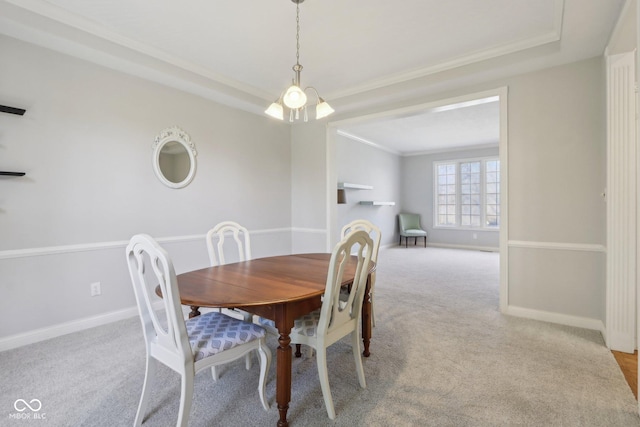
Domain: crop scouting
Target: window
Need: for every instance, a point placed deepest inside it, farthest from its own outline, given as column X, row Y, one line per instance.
column 492, row 193
column 447, row 194
column 467, row 193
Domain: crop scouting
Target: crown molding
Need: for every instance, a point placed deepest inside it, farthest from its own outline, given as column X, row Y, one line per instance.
column 170, row 70
column 367, row 142
column 453, row 149
column 552, row 36
column 92, row 35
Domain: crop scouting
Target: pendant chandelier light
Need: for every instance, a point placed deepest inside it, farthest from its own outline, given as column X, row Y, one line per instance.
column 295, row 98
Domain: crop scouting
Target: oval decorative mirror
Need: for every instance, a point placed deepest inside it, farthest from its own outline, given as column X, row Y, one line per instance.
column 174, row 157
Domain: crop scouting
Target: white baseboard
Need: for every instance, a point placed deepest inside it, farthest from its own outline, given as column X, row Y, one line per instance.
column 467, row 247
column 584, row 247
column 37, row 335
column 388, row 245
column 445, row 246
column 562, row 319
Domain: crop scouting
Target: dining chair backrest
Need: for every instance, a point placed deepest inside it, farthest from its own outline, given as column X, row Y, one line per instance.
column 240, row 236
column 336, row 315
column 376, row 235
column 371, row 229
column 149, row 265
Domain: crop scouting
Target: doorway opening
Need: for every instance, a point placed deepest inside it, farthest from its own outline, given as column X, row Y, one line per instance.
column 373, row 132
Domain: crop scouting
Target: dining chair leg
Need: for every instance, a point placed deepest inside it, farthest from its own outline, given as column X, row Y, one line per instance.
column 373, row 316
column 186, row 396
column 425, row 241
column 214, row 374
column 321, row 358
column 265, row 363
column 357, row 356
column 149, row 375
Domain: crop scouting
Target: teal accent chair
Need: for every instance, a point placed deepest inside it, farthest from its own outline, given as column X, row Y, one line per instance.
column 410, row 227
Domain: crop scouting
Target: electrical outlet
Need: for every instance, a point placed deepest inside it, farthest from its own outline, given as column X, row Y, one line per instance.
column 475, row 235
column 95, row 289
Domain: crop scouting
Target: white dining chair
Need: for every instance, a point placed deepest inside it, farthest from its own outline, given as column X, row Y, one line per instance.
column 376, row 235
column 219, row 232
column 187, row 347
column 216, row 238
column 337, row 319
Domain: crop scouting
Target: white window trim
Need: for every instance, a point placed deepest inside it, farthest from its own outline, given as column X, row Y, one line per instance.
column 483, row 178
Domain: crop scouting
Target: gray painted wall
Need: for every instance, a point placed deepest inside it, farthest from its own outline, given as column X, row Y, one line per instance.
column 557, row 172
column 86, row 146
column 309, row 187
column 359, row 163
column 417, row 197
column 407, row 181
column 556, row 166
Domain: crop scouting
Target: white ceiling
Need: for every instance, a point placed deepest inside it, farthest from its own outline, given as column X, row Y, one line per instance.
column 444, row 128
column 240, row 53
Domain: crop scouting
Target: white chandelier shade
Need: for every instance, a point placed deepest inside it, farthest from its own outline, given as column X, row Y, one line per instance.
column 294, row 97
column 275, row 110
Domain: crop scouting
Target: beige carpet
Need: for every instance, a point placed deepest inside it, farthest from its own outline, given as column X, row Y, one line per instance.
column 442, row 355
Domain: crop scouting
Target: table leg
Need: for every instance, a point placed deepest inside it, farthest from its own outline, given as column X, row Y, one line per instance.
column 195, row 311
column 283, row 364
column 366, row 318
column 283, row 377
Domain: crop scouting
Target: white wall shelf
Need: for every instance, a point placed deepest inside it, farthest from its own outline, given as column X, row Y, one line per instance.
column 374, row 203
column 342, row 185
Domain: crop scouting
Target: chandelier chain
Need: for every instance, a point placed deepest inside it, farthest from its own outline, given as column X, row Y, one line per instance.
column 297, row 33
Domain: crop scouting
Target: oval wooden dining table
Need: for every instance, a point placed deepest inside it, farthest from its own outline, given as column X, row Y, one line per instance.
column 280, row 288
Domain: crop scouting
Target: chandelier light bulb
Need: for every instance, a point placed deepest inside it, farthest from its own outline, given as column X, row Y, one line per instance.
column 294, row 97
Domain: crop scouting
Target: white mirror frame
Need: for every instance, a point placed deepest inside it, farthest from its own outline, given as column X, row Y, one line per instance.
column 174, row 134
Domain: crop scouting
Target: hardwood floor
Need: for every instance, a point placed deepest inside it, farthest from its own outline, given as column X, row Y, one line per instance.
column 629, row 366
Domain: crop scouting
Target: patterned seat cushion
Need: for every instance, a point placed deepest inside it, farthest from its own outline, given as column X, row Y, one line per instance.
column 307, row 324
column 214, row 332
column 267, row 323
